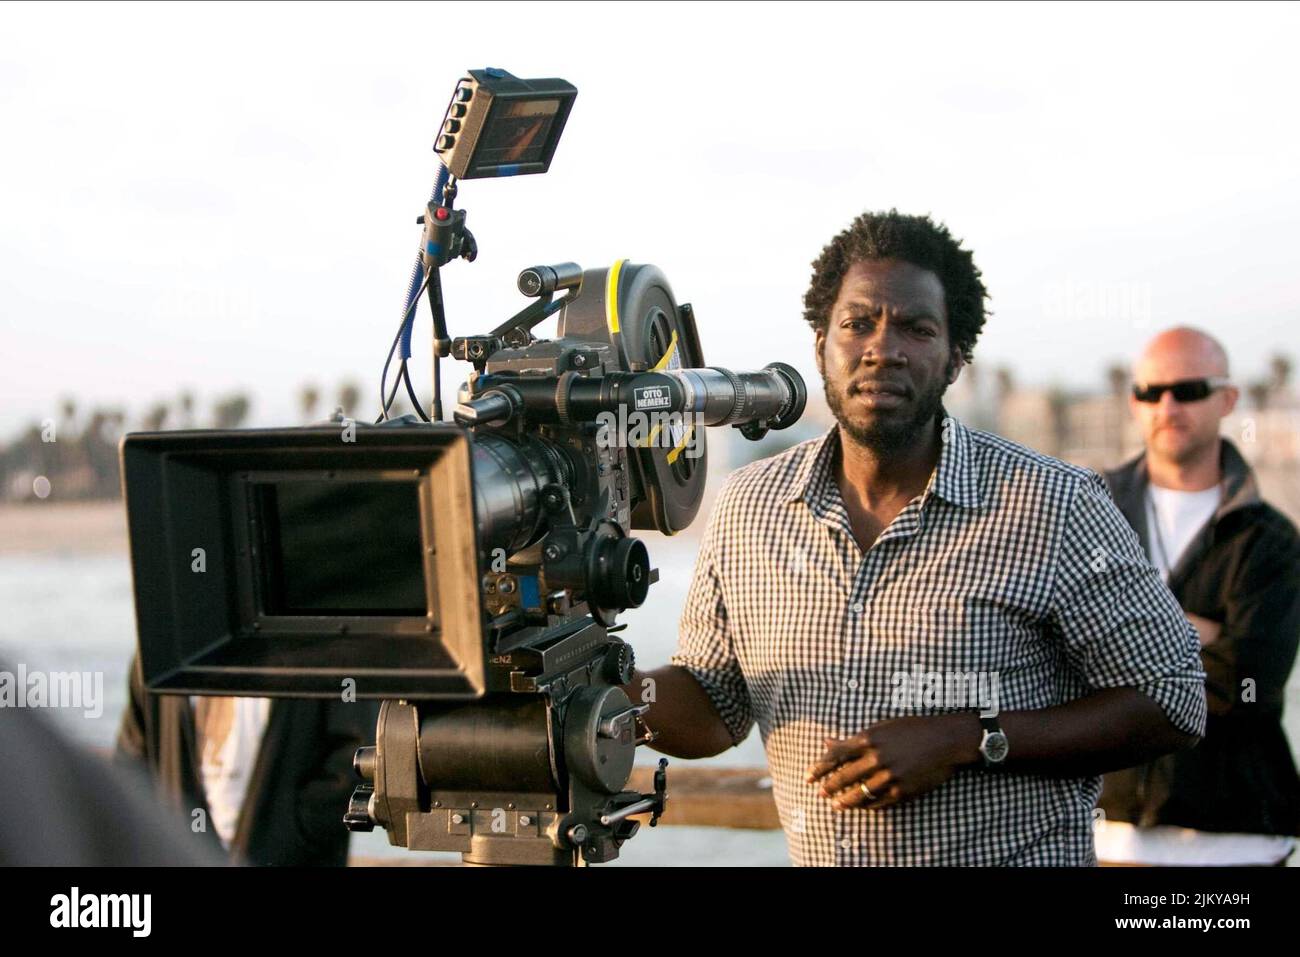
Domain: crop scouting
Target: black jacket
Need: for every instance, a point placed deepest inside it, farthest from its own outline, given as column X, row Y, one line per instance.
column 1243, row 570
column 299, row 790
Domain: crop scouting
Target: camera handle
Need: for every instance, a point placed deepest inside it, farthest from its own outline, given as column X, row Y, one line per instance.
column 654, row 803
column 539, row 282
column 445, row 238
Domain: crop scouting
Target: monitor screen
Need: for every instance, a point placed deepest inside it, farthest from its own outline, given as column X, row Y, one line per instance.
column 516, row 133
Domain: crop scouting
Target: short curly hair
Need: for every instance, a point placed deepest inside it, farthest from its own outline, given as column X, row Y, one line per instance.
column 915, row 239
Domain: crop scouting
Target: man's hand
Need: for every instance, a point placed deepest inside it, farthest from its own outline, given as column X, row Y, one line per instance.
column 897, row 759
column 1208, row 630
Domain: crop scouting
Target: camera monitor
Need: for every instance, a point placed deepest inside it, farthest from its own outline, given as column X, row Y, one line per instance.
column 286, row 561
column 500, row 125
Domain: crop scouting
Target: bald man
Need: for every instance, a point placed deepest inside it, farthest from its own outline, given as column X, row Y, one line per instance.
column 1233, row 563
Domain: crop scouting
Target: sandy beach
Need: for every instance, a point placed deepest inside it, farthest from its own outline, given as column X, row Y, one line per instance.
column 44, row 528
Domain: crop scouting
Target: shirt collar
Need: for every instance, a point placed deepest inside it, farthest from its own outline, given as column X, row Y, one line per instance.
column 954, row 479
column 1238, row 485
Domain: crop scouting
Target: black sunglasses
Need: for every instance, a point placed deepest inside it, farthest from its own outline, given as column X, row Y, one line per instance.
column 1185, row 390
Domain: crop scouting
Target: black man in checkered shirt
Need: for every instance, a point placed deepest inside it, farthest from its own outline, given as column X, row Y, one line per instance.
column 945, row 638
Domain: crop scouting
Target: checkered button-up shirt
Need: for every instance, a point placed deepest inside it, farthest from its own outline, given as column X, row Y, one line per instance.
column 1012, row 579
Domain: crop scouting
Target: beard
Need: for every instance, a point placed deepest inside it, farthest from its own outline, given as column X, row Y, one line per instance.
column 891, row 430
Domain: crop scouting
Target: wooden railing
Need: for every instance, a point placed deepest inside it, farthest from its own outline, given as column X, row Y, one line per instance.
column 714, row 797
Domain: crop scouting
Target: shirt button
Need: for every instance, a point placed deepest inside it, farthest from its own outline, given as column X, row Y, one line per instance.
column 857, row 608
column 851, row 684
column 846, row 844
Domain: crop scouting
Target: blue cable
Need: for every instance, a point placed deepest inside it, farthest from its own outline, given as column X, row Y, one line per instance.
column 408, row 316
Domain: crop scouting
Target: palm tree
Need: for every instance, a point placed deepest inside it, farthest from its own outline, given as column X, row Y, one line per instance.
column 1117, row 377
column 230, row 412
column 187, row 409
column 349, row 396
column 308, row 398
column 156, row 417
column 1280, row 369
column 1058, row 403
column 1006, row 382
column 99, row 453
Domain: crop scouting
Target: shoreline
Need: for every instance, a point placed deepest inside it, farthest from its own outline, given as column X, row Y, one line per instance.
column 48, row 528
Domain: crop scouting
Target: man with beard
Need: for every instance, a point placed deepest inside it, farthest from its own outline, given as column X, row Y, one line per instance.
column 944, row 637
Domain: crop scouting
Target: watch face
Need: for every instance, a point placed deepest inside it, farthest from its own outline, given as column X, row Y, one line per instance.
column 994, row 747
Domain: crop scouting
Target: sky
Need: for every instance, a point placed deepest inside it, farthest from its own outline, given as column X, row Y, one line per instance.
column 223, row 198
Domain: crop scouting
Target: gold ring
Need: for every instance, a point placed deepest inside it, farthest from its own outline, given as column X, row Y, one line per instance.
column 867, row 791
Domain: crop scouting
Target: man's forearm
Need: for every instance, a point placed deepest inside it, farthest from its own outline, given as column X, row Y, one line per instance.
column 681, row 714
column 1111, row 729
column 1207, row 631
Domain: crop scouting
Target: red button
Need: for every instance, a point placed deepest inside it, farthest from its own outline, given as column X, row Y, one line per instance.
column 441, row 213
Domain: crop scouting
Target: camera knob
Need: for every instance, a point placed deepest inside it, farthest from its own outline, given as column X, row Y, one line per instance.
column 360, row 815
column 618, row 665
column 622, row 578
column 632, row 570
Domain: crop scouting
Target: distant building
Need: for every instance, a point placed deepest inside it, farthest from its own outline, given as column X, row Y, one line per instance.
column 1099, row 431
column 1030, row 417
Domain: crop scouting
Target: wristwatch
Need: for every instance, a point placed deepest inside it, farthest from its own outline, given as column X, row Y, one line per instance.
column 993, row 746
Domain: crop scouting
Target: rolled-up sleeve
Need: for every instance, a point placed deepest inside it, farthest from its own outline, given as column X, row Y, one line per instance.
column 1122, row 628
column 705, row 643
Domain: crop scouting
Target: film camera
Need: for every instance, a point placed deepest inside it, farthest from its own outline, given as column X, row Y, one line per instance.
column 468, row 574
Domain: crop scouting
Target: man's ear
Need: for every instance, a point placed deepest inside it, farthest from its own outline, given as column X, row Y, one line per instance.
column 1230, row 396
column 819, row 341
column 958, row 363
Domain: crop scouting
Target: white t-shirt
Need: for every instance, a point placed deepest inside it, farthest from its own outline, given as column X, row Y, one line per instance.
column 1174, row 517
column 230, row 734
